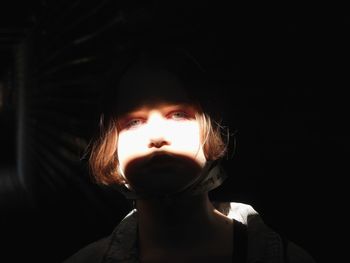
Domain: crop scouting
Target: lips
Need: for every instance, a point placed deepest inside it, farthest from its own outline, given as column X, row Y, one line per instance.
column 160, row 157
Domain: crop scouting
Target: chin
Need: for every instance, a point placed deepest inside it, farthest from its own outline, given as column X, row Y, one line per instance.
column 161, row 173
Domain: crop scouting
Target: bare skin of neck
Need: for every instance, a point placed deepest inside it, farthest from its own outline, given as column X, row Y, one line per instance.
column 183, row 230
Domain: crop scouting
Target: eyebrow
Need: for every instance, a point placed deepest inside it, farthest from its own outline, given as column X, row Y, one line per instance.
column 165, row 106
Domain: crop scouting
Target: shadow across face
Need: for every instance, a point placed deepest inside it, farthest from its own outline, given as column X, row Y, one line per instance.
column 161, row 173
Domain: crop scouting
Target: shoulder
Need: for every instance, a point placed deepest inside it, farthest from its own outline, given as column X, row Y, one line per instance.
column 296, row 254
column 119, row 244
column 264, row 242
column 93, row 252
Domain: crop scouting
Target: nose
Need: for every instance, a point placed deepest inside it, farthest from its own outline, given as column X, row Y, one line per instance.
column 157, row 131
column 158, row 143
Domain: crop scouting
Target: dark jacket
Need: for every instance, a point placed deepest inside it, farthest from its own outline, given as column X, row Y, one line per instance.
column 263, row 244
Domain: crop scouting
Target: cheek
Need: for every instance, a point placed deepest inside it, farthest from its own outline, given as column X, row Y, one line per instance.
column 185, row 136
column 186, row 139
column 130, row 146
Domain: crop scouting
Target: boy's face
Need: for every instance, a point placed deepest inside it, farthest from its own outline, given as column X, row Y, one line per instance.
column 159, row 140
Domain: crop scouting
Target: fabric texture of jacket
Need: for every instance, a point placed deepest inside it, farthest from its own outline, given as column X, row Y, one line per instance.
column 263, row 244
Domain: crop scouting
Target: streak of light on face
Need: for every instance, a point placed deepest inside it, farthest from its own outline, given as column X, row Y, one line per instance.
column 159, row 142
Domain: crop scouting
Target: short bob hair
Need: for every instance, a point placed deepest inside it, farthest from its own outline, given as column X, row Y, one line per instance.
column 103, row 159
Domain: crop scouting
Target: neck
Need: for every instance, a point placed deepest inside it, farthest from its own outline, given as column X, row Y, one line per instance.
column 186, row 221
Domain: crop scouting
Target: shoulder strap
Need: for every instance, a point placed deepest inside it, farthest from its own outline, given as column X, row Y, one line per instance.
column 240, row 242
column 285, row 242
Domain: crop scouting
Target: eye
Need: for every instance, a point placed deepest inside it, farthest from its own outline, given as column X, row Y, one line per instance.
column 133, row 123
column 179, row 115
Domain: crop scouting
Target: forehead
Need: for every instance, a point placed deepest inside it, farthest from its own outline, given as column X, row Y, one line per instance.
column 145, row 86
